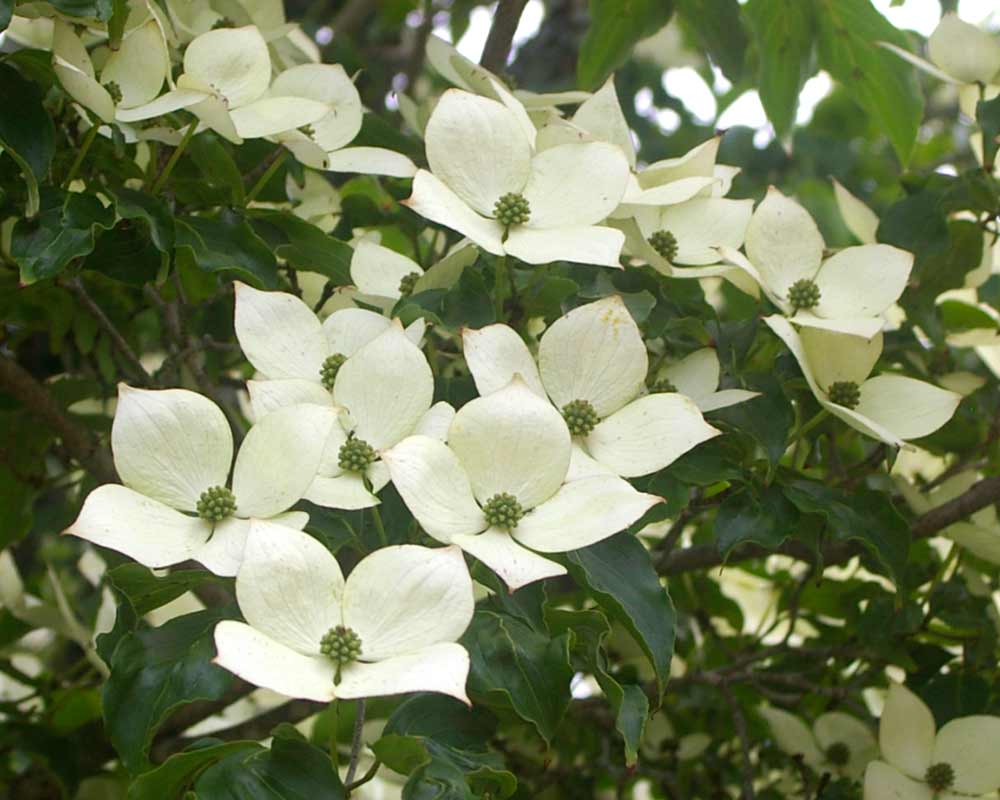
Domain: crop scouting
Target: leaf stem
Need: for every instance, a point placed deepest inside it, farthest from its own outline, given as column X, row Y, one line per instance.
column 821, row 415
column 174, row 157
column 379, row 527
column 356, row 741
column 279, row 159
column 501, row 281
column 88, row 140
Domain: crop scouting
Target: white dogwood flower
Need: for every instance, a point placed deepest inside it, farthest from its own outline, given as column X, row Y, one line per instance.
column 357, row 361
column 173, row 450
column 390, row 628
column 959, row 52
column 697, row 376
column 846, row 292
column 919, row 762
column 488, row 181
column 384, row 276
column 592, row 365
column 837, row 742
column 890, row 408
column 499, row 488
column 225, row 83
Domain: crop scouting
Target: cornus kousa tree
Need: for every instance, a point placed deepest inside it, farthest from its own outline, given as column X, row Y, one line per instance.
column 432, row 400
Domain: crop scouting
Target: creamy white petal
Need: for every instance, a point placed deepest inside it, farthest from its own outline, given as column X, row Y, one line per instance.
column 477, row 147
column 705, row 223
column 290, row 586
column 346, row 491
column 511, row 442
column 581, row 465
column 432, row 483
column 783, row 242
column 581, row 513
column 279, row 334
column 370, row 161
column 885, row 782
column 865, row 327
column 837, row 727
column 516, row 565
column 387, row 386
column 594, row 353
column 140, row 65
column 234, row 61
column 969, row 744
column 432, row 199
column 907, row 407
column 792, row 735
column 272, row 115
column 601, row 115
column 982, row 542
column 859, row 218
column 268, row 396
column 377, row 270
column 214, row 113
column 837, row 357
column 862, row 281
column 574, row 185
column 964, row 51
column 153, row 534
column 296, row 520
column 674, row 192
column 906, row 732
column 404, row 598
column 447, row 272
column 223, row 552
column 260, row 660
column 280, row 457
column 441, row 668
column 330, row 85
column 698, row 162
column 436, row 421
column 724, row 399
column 696, row 375
column 648, row 434
column 170, row 444
column 173, row 100
column 591, row 244
column 495, row 354
column 84, row 89
column 347, row 330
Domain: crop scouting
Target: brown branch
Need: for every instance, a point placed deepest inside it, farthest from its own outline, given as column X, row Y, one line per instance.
column 740, row 723
column 78, row 443
column 501, row 36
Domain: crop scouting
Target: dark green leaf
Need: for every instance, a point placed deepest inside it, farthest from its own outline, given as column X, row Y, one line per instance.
column 215, row 167
column 620, row 573
column 175, row 774
column 133, row 204
column 767, row 418
column 988, row 117
column 468, row 302
column 147, row 592
column 304, row 246
column 766, row 519
column 6, row 12
column 228, row 243
column 101, row 9
column 881, row 82
column 718, row 27
column 615, row 27
column 126, row 254
column 28, row 136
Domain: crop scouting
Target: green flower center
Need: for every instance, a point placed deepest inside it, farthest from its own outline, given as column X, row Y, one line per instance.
column 664, row 243
column 838, row 754
column 342, row 646
column 939, row 776
column 845, row 393
column 328, row 372
column 663, row 386
column 803, row 293
column 503, row 511
column 216, row 504
column 223, row 22
column 407, row 284
column 355, row 455
column 580, row 416
column 114, row 90
column 512, row 209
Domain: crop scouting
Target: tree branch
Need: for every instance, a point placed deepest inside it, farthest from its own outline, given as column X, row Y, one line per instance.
column 497, row 47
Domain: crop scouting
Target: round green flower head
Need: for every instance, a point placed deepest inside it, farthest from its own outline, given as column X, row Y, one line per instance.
column 664, row 243
column 804, row 293
column 216, row 504
column 512, row 209
column 845, row 393
column 407, row 284
column 355, row 455
column 331, row 366
column 939, row 776
column 580, row 416
column 503, row 511
column 341, row 645
column 838, row 754
column 114, row 90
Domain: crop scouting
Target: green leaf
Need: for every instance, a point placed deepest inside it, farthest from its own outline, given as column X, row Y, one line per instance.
column 615, row 27
column 65, row 229
column 125, row 253
column 468, row 302
column 882, row 83
column 29, row 137
column 518, row 667
column 211, row 165
column 718, row 27
column 133, row 204
column 228, row 243
column 767, row 519
column 175, row 774
column 101, row 9
column 6, row 12
column 766, row 418
column 303, row 245
column 116, row 25
column 988, row 117
column 620, row 574
column 784, row 32
column 155, row 671
column 147, row 591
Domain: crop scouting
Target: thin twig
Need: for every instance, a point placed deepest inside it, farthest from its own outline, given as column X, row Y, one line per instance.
column 356, row 741
column 123, row 347
column 501, row 34
column 740, row 723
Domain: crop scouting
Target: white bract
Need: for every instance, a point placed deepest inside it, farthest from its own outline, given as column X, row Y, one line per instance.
column 173, row 450
column 360, row 363
column 890, row 408
column 499, row 487
column 390, row 628
column 846, row 292
column 383, row 275
column 225, row 83
column 919, row 762
column 592, row 365
column 837, row 742
column 697, row 376
column 959, row 52
column 488, row 181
